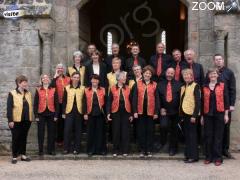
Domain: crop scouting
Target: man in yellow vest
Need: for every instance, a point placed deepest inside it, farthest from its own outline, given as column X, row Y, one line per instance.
column 19, row 114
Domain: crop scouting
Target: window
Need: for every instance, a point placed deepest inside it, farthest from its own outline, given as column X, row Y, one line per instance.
column 109, row 43
column 163, row 39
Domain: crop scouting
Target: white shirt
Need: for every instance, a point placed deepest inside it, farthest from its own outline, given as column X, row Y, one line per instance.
column 96, row 69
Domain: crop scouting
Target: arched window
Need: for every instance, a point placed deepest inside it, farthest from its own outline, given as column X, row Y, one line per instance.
column 163, row 39
column 109, row 43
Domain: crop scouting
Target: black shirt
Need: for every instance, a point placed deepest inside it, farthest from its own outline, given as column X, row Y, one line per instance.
column 96, row 111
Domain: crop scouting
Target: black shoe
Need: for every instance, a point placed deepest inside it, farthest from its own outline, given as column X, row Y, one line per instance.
column 90, row 154
column 40, row 154
column 227, row 154
column 191, row 161
column 104, row 153
column 185, row 160
column 53, row 153
column 65, row 152
column 14, row 160
column 27, row 159
column 172, row 153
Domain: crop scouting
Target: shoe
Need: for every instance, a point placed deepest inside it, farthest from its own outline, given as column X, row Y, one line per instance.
column 25, row 158
column 114, row 155
column 14, row 160
column 65, row 152
column 90, row 154
column 149, row 154
column 185, row 160
column 172, row 153
column 218, row 163
column 125, row 155
column 103, row 153
column 40, row 154
column 227, row 154
column 60, row 144
column 75, row 152
column 141, row 155
column 53, row 153
column 207, row 161
column 191, row 161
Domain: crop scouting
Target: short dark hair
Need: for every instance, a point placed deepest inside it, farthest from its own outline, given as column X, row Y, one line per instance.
column 75, row 73
column 175, row 50
column 21, row 79
column 97, row 52
column 218, row 54
column 95, row 76
column 148, row 68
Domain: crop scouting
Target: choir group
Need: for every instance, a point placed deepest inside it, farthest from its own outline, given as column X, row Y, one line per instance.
column 114, row 96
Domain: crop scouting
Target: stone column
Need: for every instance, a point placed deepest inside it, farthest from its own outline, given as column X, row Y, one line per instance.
column 220, row 40
column 47, row 52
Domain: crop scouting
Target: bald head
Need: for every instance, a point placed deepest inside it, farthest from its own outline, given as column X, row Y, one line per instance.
column 170, row 73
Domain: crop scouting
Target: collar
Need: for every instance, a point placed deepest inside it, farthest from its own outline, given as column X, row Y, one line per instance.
column 145, row 81
column 189, row 83
column 90, row 88
column 78, row 86
column 25, row 91
column 124, row 86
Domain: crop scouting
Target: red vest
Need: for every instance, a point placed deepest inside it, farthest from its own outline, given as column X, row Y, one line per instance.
column 89, row 97
column 116, row 97
column 46, row 99
column 219, row 93
column 61, row 83
column 151, row 88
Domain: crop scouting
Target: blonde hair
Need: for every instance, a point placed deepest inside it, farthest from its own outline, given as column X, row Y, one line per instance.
column 187, row 71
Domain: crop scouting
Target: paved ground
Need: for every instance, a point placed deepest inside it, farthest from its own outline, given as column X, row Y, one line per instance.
column 118, row 169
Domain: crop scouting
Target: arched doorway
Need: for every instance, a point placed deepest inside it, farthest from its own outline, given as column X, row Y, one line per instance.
column 145, row 21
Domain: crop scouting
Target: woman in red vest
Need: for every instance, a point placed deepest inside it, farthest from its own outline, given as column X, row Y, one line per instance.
column 118, row 111
column 46, row 110
column 215, row 116
column 146, row 109
column 94, row 115
column 60, row 81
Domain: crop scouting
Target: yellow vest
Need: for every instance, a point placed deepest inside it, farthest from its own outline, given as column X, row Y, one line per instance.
column 131, row 83
column 18, row 105
column 71, row 70
column 112, row 80
column 188, row 102
column 71, row 93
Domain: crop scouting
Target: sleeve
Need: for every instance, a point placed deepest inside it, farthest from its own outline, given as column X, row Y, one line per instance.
column 64, row 103
column 84, row 103
column 134, row 98
column 56, row 104
column 197, row 97
column 35, row 105
column 201, row 76
column 86, row 77
column 232, row 90
column 157, row 102
column 226, row 98
column 53, row 83
column 109, row 102
column 10, row 108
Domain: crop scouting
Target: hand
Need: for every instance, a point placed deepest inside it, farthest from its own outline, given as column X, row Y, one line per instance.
column 163, row 112
column 226, row 118
column 37, row 119
column 232, row 108
column 11, row 125
column 155, row 116
column 193, row 120
column 64, row 116
column 135, row 115
column 130, row 118
column 109, row 117
column 85, row 117
column 202, row 120
column 55, row 119
column 56, row 74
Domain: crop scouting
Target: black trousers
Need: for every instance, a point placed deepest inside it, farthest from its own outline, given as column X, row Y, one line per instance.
column 213, row 130
column 226, row 135
column 19, row 138
column 51, row 132
column 120, row 131
column 73, row 128
column 191, row 141
column 145, row 131
column 60, row 125
column 168, row 124
column 96, row 143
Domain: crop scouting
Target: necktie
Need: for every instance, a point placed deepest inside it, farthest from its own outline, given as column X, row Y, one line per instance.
column 169, row 92
column 177, row 72
column 191, row 67
column 135, row 61
column 159, row 65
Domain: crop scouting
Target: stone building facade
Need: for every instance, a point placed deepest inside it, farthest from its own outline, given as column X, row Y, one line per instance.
column 51, row 30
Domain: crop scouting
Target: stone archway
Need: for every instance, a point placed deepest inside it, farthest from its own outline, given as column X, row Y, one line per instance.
column 76, row 19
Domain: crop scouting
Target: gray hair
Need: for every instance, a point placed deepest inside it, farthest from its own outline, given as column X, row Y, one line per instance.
column 136, row 66
column 60, row 65
column 78, row 53
column 189, row 50
column 120, row 75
